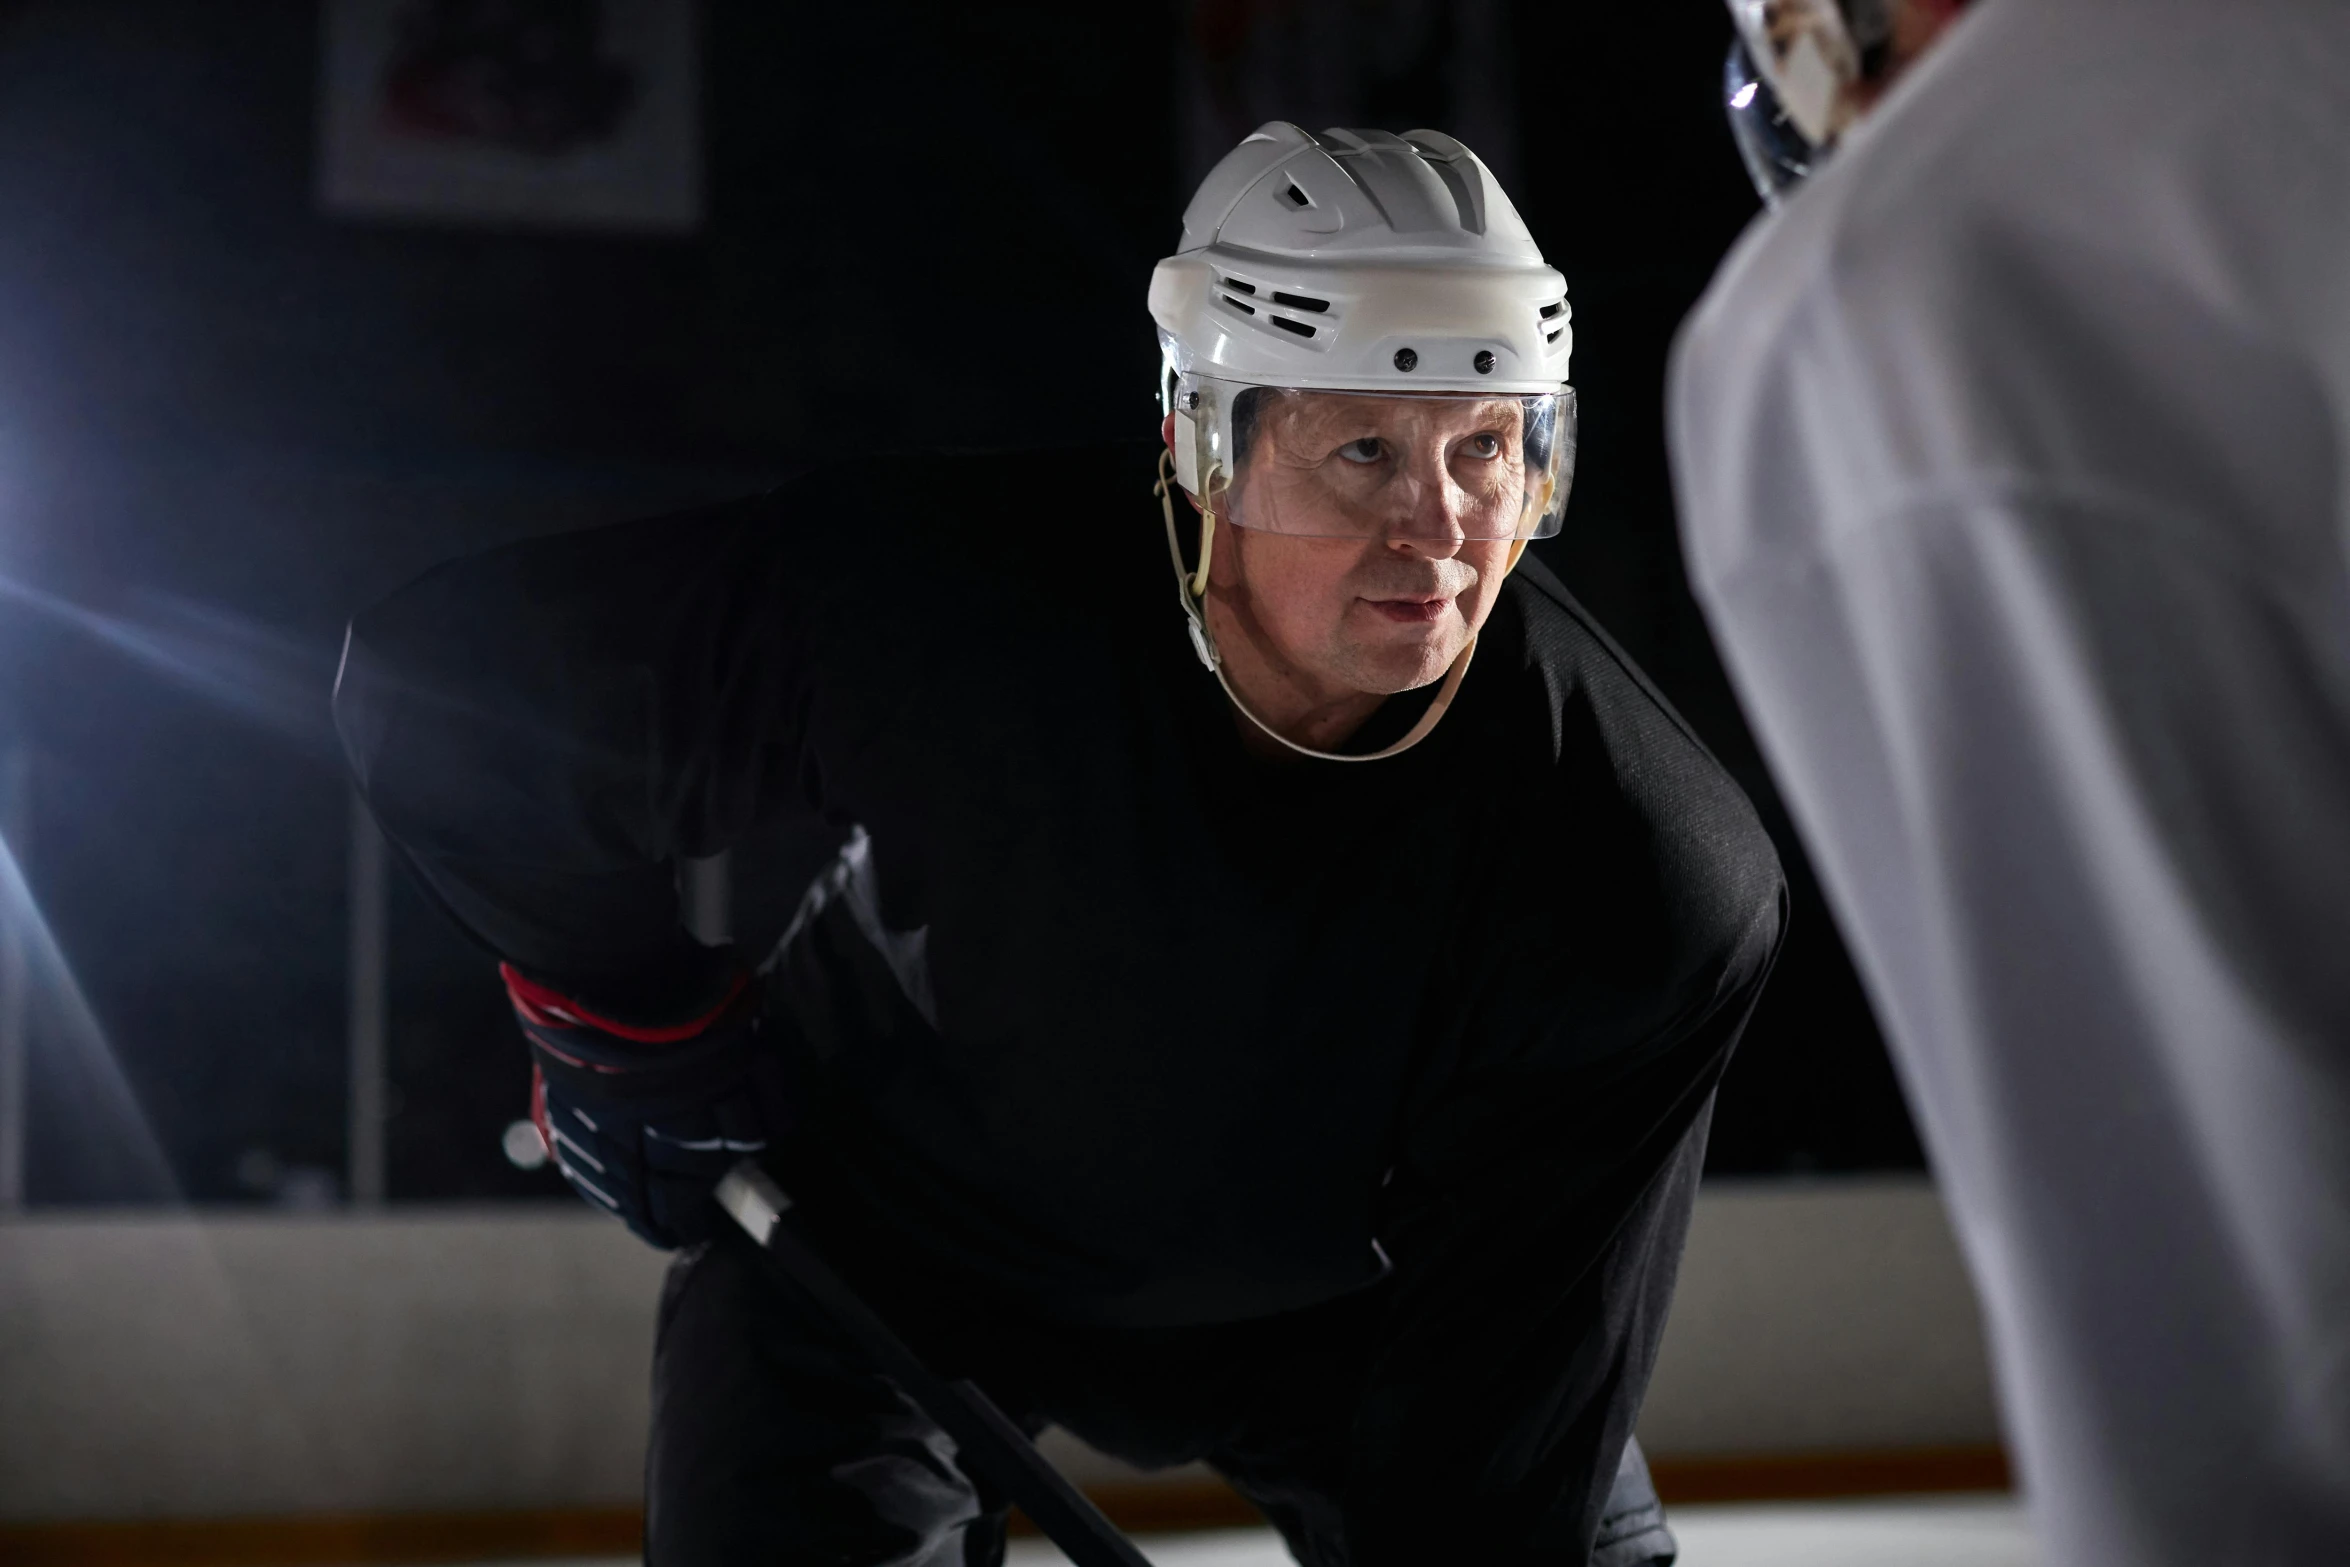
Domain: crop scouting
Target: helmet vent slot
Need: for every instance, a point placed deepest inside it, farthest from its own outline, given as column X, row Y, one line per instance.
column 1276, row 312
column 1554, row 325
column 1297, row 198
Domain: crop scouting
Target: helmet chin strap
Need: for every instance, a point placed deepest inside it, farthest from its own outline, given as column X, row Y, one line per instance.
column 1192, row 589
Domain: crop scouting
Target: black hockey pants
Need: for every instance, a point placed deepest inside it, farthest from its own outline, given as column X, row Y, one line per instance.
column 772, row 1444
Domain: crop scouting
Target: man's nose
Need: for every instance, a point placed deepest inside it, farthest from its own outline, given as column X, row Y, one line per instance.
column 1430, row 510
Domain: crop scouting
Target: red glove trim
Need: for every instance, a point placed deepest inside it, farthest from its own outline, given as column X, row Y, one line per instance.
column 552, row 1009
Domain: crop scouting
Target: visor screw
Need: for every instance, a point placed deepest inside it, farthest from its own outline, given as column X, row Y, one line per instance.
column 1407, row 359
column 1484, row 361
column 1191, row 399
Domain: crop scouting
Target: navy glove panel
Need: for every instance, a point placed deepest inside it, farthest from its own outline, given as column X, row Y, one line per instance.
column 643, row 1121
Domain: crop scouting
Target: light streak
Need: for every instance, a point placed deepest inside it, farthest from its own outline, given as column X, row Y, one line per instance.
column 82, row 1062
column 254, row 671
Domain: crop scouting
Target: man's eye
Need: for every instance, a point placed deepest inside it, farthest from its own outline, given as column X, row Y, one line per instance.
column 1483, row 444
column 1369, row 449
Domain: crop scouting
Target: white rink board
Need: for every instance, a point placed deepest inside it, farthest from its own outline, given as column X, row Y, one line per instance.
column 160, row 1366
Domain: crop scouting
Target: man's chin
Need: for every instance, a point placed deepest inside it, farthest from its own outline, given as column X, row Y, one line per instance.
column 1393, row 667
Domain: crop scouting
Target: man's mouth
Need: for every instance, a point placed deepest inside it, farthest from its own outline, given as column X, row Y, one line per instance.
column 1414, row 611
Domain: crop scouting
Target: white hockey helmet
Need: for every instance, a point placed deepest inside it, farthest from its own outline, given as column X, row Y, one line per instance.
column 1358, row 262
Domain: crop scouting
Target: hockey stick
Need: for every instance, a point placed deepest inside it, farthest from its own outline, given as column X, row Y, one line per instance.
column 997, row 1449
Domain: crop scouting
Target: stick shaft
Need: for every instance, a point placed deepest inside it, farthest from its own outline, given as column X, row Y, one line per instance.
column 984, row 1438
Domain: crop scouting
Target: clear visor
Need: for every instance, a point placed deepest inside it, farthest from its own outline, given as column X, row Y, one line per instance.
column 1777, row 155
column 1443, row 465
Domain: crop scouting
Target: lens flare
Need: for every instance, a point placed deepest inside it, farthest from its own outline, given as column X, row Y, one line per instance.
column 259, row 674
column 255, row 671
column 100, row 1111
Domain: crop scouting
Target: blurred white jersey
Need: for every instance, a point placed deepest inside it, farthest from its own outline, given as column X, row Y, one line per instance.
column 2012, row 457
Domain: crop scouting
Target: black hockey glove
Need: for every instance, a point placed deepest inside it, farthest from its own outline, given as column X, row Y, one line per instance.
column 643, row 1121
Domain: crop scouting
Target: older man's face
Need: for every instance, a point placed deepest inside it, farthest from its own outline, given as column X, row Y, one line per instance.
column 1374, row 533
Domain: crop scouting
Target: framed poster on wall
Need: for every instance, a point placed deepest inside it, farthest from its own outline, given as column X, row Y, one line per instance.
column 571, row 113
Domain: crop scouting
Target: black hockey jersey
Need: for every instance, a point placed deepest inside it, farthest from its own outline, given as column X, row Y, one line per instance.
column 1105, row 1013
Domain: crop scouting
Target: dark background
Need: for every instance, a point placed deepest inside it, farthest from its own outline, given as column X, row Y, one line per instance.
column 226, row 421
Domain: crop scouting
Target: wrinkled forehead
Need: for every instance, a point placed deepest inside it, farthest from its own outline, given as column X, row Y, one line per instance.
column 1291, row 418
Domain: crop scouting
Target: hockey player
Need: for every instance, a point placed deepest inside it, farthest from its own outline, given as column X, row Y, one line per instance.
column 1279, row 1033
column 2010, row 452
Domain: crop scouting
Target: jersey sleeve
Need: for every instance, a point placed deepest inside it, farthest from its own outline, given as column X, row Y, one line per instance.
column 1548, row 1157
column 1535, row 1229
column 544, row 729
